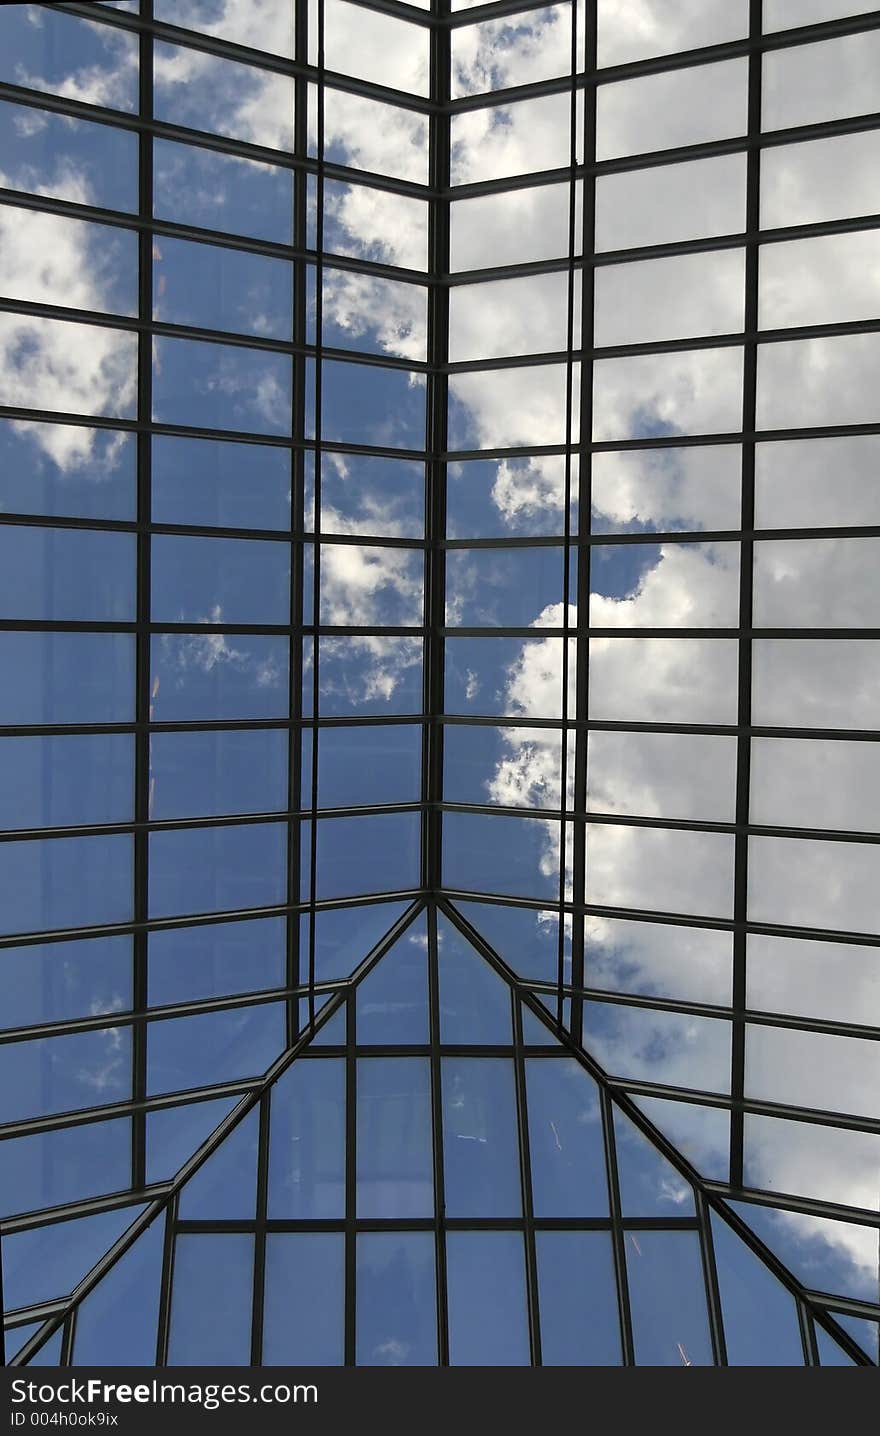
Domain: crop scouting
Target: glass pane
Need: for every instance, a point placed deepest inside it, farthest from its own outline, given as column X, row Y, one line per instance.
column 832, row 980
column 662, row 774
column 51, row 259
column 212, row 288
column 814, row 883
column 184, row 1052
column 665, row 203
column 214, row 773
column 394, row 1144
column 117, row 1323
column 667, row 1299
column 649, row 1185
column 219, row 675
column 396, row 1310
column 221, row 192
column 65, row 882
column 225, row 1186
column 67, row 677
column 66, row 574
column 370, row 854
column 578, row 1299
column 513, row 227
column 659, row 1046
column 211, row 1301
column 646, row 396
column 517, row 139
column 812, row 1069
column 503, row 588
column 681, row 107
column 66, row 781
column 488, row 1324
column 369, row 765
column 304, row 1296
column 344, row 936
column 53, row 981
column 664, row 960
column 565, row 1140
column 392, row 1002
column 66, row 1165
column 63, row 54
column 474, row 1000
column 68, row 158
column 835, row 178
column 806, row 84
column 216, row 869
column 760, row 1318
column 676, row 298
column 217, row 386
column 534, row 311
column 662, row 870
column 67, row 469
column 498, row 854
column 480, row 1148
column 45, row 1263
column 205, row 92
column 269, row 27
column 664, row 680
column 104, row 381
column 656, row 28
column 307, row 1141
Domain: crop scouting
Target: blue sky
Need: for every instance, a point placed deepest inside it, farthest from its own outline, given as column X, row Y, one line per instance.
column 216, row 584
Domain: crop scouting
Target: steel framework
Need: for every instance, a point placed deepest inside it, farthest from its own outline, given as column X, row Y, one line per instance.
column 311, row 1003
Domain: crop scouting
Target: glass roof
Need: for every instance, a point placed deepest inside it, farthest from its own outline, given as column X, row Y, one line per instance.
column 439, row 683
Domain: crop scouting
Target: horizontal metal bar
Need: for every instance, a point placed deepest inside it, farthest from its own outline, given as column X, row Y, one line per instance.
column 184, row 920
column 673, row 919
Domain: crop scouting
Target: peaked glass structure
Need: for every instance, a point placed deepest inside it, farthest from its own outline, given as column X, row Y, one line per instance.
column 440, row 682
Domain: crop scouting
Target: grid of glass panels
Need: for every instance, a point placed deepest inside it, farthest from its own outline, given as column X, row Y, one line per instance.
column 427, row 470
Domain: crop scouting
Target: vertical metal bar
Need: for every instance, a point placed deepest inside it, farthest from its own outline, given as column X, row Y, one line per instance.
column 163, row 1324
column 744, row 710
column 436, row 401
column 808, row 1334
column 318, row 460
column 582, row 676
column 710, row 1278
column 617, row 1233
column 572, row 280
column 297, row 522
column 437, row 1137
column 350, row 1343
column 525, row 1166
column 142, row 640
column 68, row 1332
column 262, row 1196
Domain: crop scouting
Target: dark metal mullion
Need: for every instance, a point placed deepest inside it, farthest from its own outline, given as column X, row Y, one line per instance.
column 143, row 701
column 566, row 490
column 260, row 1233
column 440, row 1226
column 526, row 1190
column 350, row 1244
column 744, row 709
column 618, row 1234
column 710, row 1279
column 433, row 687
column 808, row 1334
column 584, row 529
column 67, row 1339
column 297, row 528
column 163, row 1324
column 317, row 369
column 437, row 398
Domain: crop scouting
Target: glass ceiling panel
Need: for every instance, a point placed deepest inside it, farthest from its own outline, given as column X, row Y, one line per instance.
column 439, row 683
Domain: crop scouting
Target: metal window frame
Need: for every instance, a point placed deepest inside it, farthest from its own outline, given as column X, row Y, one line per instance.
column 302, row 813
